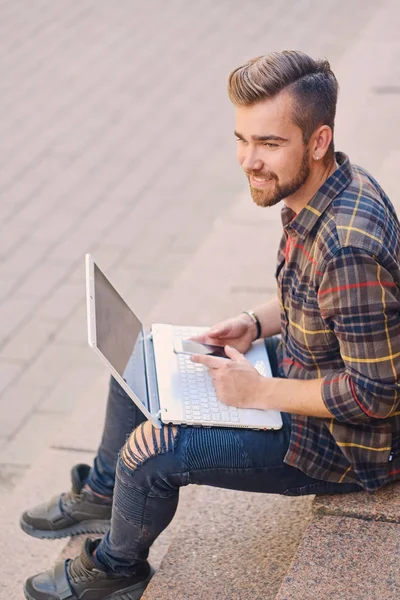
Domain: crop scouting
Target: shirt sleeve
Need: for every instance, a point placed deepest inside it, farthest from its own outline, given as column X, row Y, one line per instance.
column 360, row 301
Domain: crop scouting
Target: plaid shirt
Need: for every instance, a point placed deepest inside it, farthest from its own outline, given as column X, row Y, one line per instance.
column 338, row 277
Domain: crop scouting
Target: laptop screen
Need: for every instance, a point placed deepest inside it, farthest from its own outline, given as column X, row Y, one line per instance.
column 119, row 335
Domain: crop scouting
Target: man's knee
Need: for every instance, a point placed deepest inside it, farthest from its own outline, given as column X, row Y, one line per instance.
column 147, row 441
column 116, row 389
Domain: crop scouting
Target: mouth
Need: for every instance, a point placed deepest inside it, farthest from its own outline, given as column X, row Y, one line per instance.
column 259, row 182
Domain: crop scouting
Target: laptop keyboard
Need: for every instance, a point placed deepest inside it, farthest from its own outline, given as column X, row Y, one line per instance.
column 199, row 399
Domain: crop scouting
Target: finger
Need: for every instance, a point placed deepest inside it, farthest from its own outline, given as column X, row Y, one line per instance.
column 214, row 334
column 208, row 337
column 198, row 338
column 234, row 354
column 220, row 331
column 212, row 362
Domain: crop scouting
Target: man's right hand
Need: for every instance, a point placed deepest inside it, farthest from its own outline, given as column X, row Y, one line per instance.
column 238, row 332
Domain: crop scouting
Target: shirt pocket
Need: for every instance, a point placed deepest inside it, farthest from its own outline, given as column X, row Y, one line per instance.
column 306, row 326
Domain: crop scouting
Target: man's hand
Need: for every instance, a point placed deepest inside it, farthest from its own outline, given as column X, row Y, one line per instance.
column 238, row 332
column 236, row 381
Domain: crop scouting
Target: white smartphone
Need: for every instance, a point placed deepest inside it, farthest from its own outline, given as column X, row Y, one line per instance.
column 192, row 347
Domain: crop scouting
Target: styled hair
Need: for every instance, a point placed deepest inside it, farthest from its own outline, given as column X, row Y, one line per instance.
column 311, row 83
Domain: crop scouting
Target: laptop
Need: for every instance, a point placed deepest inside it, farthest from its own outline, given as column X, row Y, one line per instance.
column 165, row 385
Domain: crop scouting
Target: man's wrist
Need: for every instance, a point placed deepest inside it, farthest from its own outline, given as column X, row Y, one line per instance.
column 264, row 395
column 256, row 322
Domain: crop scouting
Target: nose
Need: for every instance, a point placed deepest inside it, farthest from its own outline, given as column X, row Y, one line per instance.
column 250, row 161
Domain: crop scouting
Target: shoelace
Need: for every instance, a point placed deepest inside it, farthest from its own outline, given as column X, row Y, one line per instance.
column 77, row 571
column 69, row 499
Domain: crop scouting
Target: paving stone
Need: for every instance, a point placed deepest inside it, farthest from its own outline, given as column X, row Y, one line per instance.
column 37, row 208
column 17, row 403
column 56, row 225
column 30, row 181
column 72, row 384
column 88, row 421
column 14, row 311
column 162, row 270
column 12, row 234
column 5, row 212
column 31, row 439
column 85, row 236
column 28, row 341
column 9, row 371
column 10, row 475
column 16, row 268
column 74, row 329
column 19, row 191
column 63, row 300
column 46, row 369
column 43, row 279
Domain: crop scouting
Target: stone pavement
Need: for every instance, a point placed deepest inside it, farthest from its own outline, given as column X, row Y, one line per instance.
column 116, row 138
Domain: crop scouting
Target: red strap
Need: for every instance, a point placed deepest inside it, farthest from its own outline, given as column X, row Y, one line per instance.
column 287, row 247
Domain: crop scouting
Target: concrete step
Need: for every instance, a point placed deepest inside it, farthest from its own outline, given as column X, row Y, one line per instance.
column 383, row 505
column 345, row 558
column 350, row 549
column 231, row 545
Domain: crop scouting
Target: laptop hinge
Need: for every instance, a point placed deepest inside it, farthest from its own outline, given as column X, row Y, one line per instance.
column 151, row 374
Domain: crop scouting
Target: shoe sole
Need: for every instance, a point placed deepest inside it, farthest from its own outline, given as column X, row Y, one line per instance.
column 135, row 592
column 91, row 526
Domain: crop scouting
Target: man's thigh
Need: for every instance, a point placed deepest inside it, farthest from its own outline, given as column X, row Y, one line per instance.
column 247, row 460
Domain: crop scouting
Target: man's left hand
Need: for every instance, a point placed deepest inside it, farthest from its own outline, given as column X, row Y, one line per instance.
column 236, row 381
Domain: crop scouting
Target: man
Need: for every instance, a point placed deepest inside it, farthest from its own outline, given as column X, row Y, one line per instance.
column 335, row 365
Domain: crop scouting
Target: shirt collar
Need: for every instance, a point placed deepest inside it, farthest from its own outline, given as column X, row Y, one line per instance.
column 302, row 224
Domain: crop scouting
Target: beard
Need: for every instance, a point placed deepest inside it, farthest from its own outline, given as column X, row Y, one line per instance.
column 279, row 191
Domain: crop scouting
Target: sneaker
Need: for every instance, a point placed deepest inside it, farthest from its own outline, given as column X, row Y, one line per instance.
column 83, row 577
column 77, row 511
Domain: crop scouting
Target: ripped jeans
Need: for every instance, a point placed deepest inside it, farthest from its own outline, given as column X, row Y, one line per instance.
column 145, row 477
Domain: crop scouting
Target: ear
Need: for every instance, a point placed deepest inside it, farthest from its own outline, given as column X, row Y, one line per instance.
column 321, row 139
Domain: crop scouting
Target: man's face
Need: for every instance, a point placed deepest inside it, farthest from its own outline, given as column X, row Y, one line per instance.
column 271, row 150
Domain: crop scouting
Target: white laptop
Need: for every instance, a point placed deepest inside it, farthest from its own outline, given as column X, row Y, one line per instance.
column 166, row 386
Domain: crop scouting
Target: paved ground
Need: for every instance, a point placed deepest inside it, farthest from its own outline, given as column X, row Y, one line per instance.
column 116, row 138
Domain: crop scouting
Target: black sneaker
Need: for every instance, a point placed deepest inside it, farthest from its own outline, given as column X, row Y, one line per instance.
column 83, row 577
column 78, row 511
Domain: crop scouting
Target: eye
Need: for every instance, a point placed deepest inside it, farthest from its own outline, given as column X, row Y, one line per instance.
column 270, row 145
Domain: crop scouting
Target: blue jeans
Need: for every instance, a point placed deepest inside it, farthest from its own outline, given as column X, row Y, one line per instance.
column 145, row 497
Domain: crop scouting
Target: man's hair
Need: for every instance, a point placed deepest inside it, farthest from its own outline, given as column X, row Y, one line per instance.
column 311, row 83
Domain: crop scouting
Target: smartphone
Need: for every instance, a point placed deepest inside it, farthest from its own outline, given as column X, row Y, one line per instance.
column 191, row 347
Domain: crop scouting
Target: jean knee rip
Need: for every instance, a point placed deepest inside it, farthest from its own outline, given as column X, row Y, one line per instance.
column 147, row 441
